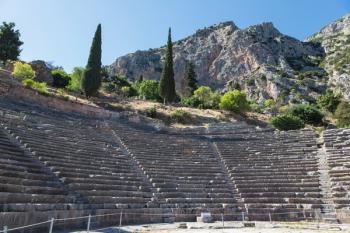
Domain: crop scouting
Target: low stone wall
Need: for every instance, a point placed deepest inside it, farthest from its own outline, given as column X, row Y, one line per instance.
column 28, row 95
column 13, row 90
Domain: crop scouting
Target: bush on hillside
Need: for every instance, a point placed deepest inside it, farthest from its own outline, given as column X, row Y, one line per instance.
column 235, row 101
column 307, row 113
column 329, row 101
column 23, row 70
column 180, row 116
column 149, row 89
column 191, row 101
column 60, row 78
column 269, row 103
column 271, row 106
column 151, row 112
column 119, row 84
column 40, row 87
column 75, row 79
column 61, row 92
column 342, row 114
column 203, row 98
column 255, row 107
column 287, row 122
column 128, row 91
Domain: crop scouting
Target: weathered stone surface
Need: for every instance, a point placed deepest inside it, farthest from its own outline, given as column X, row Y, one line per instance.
column 42, row 71
column 224, row 54
column 335, row 40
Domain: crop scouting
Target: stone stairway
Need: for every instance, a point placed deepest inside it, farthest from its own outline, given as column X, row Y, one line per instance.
column 138, row 168
column 328, row 212
column 228, row 178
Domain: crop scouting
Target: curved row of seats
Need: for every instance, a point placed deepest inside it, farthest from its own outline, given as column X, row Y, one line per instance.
column 77, row 153
column 70, row 162
column 185, row 171
column 273, row 172
column 25, row 185
column 337, row 145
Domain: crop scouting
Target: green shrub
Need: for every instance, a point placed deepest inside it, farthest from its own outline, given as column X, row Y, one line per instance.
column 75, row 79
column 287, row 122
column 307, row 113
column 342, row 114
column 234, row 101
column 28, row 82
column 23, row 70
column 62, row 94
column 180, row 116
column 128, row 91
column 191, row 101
column 151, row 112
column 214, row 101
column 125, row 91
column 40, row 87
column 269, row 103
column 61, row 91
column 329, row 101
column 206, row 97
column 149, row 90
column 120, row 81
column 255, row 107
column 60, row 78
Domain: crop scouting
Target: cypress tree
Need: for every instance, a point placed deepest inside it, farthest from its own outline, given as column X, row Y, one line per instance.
column 190, row 78
column 167, row 82
column 140, row 79
column 91, row 80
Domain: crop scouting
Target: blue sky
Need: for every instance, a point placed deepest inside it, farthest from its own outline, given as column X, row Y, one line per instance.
column 61, row 31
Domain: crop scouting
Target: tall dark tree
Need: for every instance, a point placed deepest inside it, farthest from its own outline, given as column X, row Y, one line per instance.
column 167, row 82
column 91, row 80
column 190, row 78
column 140, row 79
column 9, row 42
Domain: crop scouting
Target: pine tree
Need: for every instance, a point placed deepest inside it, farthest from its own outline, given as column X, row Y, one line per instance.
column 9, row 42
column 190, row 78
column 91, row 80
column 167, row 82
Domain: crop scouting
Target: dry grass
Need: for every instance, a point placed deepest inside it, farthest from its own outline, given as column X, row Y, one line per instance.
column 199, row 117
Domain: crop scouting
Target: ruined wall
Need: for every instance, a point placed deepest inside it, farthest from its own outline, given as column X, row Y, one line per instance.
column 28, row 95
column 11, row 89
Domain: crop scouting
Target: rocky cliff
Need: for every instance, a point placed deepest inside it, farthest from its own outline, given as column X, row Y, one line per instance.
column 259, row 59
column 335, row 39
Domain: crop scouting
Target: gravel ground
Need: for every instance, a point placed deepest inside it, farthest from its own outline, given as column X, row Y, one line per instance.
column 232, row 227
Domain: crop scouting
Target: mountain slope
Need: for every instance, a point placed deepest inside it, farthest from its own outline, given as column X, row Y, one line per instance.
column 335, row 38
column 259, row 59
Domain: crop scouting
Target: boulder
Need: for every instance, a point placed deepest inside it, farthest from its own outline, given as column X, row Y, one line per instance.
column 42, row 71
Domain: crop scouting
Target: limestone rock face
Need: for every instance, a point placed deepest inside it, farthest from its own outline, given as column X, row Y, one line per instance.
column 224, row 54
column 335, row 39
column 42, row 71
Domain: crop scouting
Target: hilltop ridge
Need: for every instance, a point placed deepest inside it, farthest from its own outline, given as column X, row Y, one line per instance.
column 258, row 58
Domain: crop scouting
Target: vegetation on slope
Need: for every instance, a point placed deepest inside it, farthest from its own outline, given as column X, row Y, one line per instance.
column 118, row 89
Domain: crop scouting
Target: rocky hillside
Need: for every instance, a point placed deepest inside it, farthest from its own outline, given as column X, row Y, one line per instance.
column 335, row 38
column 258, row 59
